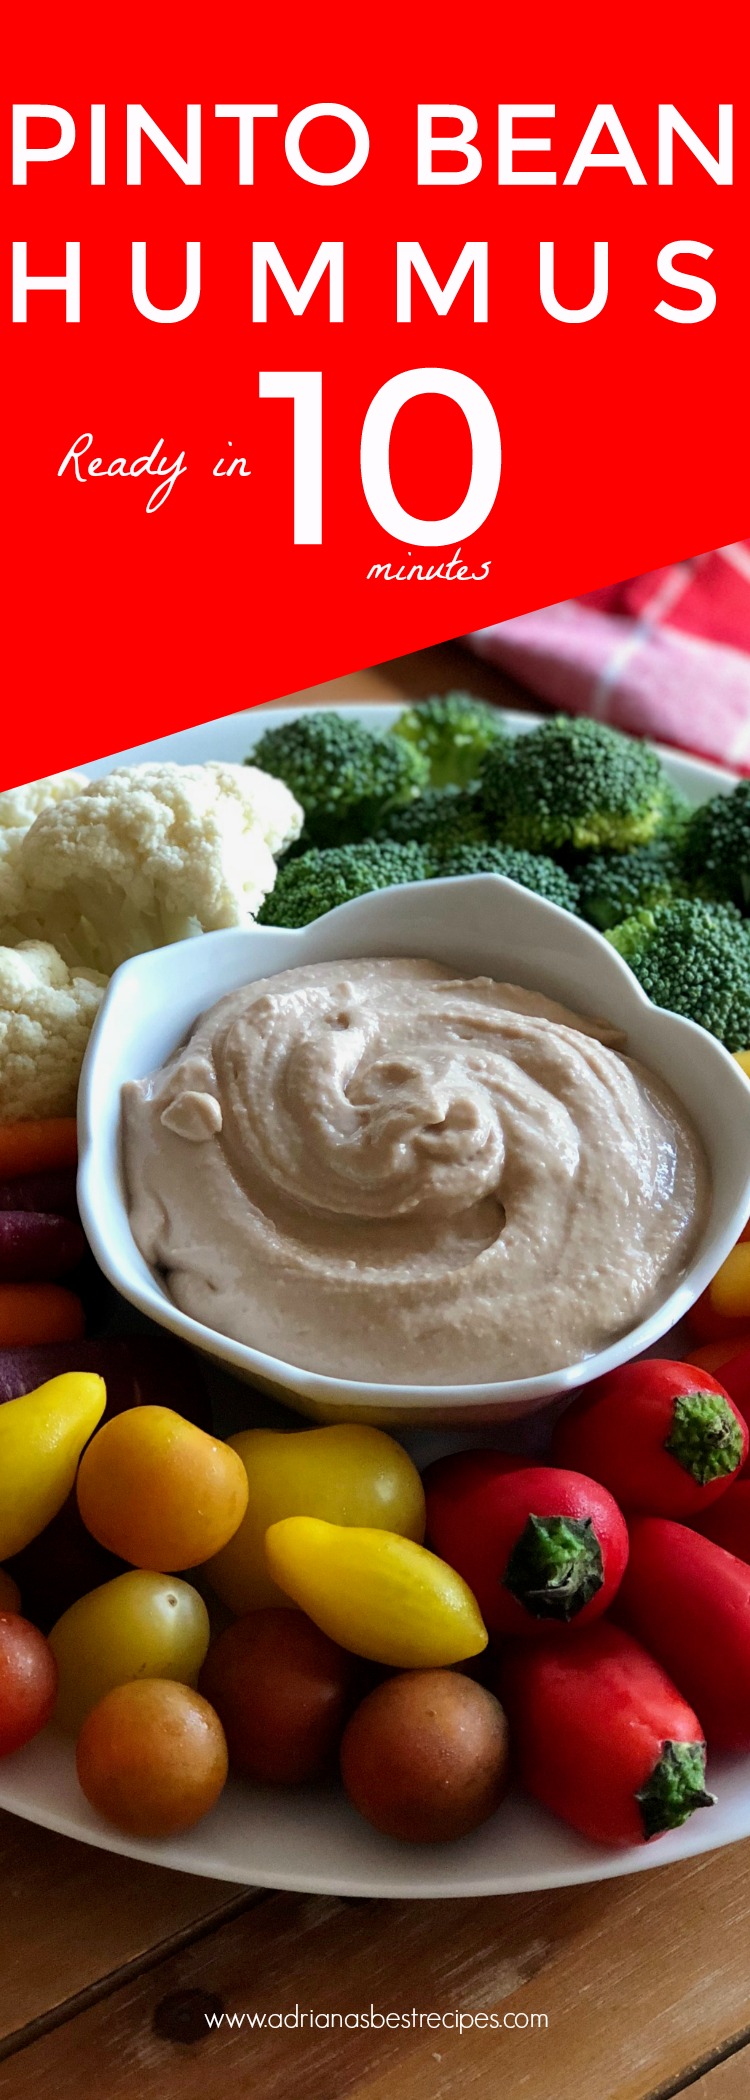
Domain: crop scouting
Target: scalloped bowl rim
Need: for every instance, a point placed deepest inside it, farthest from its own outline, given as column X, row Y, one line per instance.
column 143, row 987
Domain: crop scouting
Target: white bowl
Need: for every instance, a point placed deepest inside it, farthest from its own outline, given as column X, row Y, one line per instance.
column 481, row 925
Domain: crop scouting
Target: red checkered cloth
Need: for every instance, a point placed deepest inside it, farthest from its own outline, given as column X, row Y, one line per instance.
column 666, row 655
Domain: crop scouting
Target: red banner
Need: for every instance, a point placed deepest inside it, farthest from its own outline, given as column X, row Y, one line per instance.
column 212, row 510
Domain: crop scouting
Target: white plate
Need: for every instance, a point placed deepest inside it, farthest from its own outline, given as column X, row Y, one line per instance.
column 311, row 1840
column 234, row 736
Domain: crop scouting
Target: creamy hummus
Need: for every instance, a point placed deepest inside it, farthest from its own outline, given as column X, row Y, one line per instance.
column 381, row 1170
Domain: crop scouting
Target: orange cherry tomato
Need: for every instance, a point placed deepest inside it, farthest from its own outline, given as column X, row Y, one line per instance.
column 158, row 1491
column 152, row 1757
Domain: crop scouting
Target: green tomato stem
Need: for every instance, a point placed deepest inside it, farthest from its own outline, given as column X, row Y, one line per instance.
column 555, row 1567
column 676, row 1787
column 705, row 1438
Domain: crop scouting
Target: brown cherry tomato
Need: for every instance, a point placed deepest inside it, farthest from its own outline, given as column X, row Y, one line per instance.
column 425, row 1756
column 282, row 1690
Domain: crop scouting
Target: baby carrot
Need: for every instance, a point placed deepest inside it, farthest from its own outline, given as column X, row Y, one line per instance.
column 32, row 1148
column 38, row 1312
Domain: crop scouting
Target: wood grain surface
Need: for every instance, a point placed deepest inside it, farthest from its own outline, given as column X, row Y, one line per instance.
column 109, row 1968
column 728, row 2081
column 71, row 1915
column 641, row 1983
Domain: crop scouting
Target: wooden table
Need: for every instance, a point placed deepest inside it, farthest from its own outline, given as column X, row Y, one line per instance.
column 108, row 1968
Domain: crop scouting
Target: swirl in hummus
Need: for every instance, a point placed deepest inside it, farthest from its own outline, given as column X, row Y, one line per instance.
column 381, row 1170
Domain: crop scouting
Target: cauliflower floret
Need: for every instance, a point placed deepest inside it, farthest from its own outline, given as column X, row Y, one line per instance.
column 151, row 854
column 276, row 811
column 11, row 879
column 46, row 1016
column 19, row 806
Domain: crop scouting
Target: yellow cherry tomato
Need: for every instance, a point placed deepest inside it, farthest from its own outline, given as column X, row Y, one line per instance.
column 42, row 1435
column 377, row 1594
column 139, row 1625
column 158, row 1491
column 730, row 1289
column 347, row 1473
column 742, row 1058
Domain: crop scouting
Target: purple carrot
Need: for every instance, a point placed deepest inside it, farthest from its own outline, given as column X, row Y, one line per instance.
column 37, row 1248
column 54, row 1191
column 138, row 1370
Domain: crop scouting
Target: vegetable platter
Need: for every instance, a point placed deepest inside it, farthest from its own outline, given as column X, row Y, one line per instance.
column 311, row 1837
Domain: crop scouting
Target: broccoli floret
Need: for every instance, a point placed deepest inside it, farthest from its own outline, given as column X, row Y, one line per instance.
column 717, row 847
column 454, row 731
column 675, row 818
column 693, row 957
column 574, row 782
column 615, row 885
column 323, row 878
column 439, row 820
column 345, row 777
column 535, row 871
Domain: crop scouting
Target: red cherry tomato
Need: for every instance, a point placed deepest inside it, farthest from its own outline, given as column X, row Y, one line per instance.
column 729, row 1523
column 712, row 1356
column 542, row 1549
column 735, row 1377
column 28, row 1681
column 712, row 1326
column 665, row 1438
column 602, row 1737
column 688, row 1600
